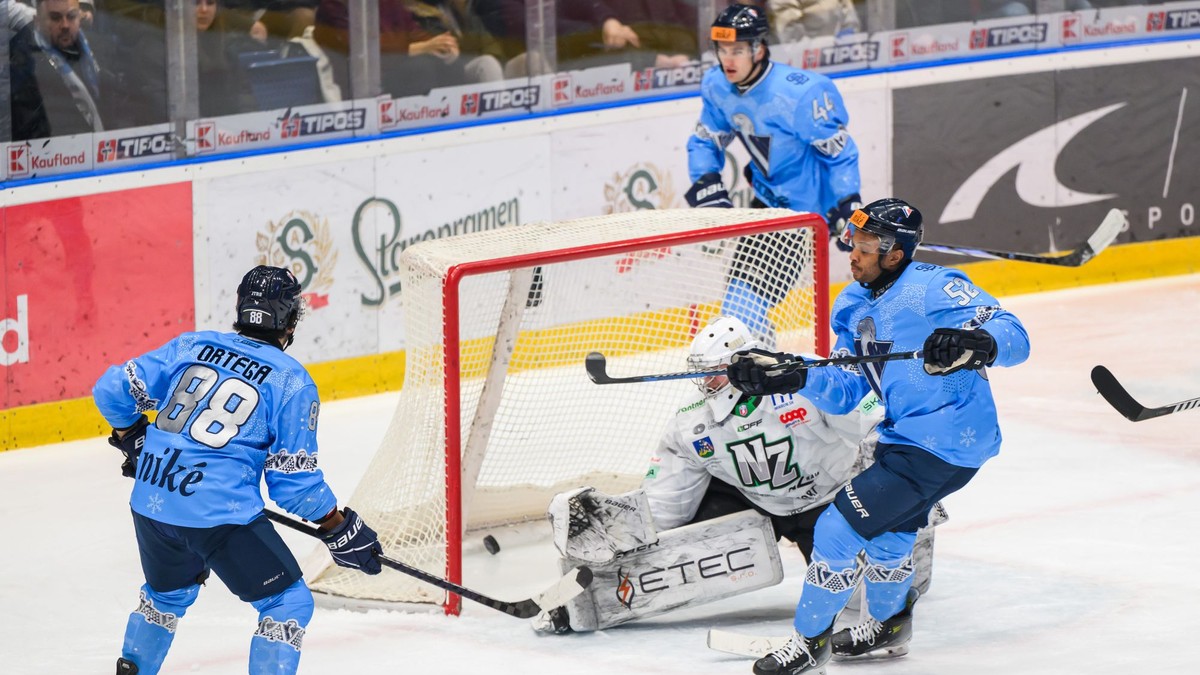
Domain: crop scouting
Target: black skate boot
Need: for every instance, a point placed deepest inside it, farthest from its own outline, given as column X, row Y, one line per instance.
column 873, row 639
column 800, row 655
column 125, row 667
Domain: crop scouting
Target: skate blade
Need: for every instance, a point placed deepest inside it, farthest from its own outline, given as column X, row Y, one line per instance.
column 895, row 651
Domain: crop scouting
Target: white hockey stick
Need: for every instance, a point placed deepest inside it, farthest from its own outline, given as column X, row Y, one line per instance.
column 743, row 645
column 1104, row 235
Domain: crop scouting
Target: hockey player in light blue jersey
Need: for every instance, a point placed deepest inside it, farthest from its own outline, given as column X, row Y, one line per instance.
column 941, row 426
column 232, row 410
column 793, row 124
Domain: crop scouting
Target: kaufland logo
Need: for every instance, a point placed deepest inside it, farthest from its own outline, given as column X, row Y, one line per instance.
column 659, row 78
column 22, row 162
column 1177, row 20
column 294, row 125
column 206, row 137
column 18, row 161
column 134, row 147
column 501, row 99
column 561, row 89
column 900, row 46
column 1074, row 29
column 391, row 113
column 1008, row 36
column 840, row 55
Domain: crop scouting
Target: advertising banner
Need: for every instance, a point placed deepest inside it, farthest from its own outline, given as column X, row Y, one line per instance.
column 289, row 126
column 90, row 282
column 340, row 227
column 48, row 156
column 1032, row 162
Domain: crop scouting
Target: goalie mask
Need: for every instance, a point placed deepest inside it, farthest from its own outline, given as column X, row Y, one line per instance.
column 715, row 346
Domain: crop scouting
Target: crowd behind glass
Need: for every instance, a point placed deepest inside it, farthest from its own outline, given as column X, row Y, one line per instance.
column 79, row 66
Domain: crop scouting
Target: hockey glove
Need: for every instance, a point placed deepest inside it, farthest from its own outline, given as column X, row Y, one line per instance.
column 748, row 373
column 949, row 350
column 839, row 219
column 353, row 544
column 708, row 191
column 130, row 444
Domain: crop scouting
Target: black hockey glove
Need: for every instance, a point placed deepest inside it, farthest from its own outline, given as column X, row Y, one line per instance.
column 949, row 350
column 353, row 544
column 130, row 445
column 748, row 373
column 708, row 191
column 839, row 219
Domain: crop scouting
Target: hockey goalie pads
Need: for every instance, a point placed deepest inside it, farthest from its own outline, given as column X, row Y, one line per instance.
column 685, row 567
column 590, row 526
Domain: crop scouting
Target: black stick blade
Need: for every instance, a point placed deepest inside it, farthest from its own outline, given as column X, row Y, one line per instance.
column 596, row 368
column 1115, row 394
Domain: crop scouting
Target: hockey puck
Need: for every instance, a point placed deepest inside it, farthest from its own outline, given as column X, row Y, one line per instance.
column 490, row 543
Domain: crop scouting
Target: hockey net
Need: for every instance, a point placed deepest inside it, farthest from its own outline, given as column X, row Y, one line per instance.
column 497, row 414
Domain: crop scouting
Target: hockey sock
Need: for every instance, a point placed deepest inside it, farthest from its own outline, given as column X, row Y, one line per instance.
column 275, row 647
column 151, row 627
column 889, row 573
column 742, row 302
column 832, row 576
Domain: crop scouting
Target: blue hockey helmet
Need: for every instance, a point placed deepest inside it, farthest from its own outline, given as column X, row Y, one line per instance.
column 268, row 300
column 741, row 23
column 894, row 221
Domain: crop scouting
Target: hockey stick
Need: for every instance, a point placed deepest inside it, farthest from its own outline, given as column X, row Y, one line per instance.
column 557, row 595
column 597, row 367
column 1104, row 235
column 744, row 645
column 1117, row 397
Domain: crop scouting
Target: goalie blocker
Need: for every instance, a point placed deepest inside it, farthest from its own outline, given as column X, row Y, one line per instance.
column 683, row 567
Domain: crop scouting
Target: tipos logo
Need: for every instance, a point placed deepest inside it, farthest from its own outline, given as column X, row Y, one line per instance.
column 643, row 187
column 301, row 242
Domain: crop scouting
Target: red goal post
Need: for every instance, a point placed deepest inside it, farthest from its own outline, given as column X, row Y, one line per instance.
column 497, row 414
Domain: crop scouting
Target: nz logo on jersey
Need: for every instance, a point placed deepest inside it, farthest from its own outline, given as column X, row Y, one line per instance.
column 759, row 147
column 761, row 463
column 869, row 346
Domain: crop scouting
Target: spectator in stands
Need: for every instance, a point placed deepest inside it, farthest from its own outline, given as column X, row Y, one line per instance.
column 794, row 20
column 294, row 21
column 423, row 44
column 223, row 89
column 643, row 33
column 56, row 84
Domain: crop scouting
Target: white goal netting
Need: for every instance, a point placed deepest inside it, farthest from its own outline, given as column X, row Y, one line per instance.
column 514, row 312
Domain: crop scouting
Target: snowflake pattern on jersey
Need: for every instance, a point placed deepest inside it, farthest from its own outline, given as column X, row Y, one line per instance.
column 287, row 462
column 288, row 632
column 249, row 475
column 967, row 437
column 155, row 504
column 233, row 506
column 153, row 616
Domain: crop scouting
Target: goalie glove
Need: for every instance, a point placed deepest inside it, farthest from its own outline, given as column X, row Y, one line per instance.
column 838, row 219
column 748, row 373
column 130, row 441
column 593, row 527
column 708, row 191
column 949, row 350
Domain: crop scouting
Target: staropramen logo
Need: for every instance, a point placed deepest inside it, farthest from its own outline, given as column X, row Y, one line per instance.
column 301, row 242
column 643, row 187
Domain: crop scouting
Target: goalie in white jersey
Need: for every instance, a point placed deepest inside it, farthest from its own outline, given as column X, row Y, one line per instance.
column 731, row 475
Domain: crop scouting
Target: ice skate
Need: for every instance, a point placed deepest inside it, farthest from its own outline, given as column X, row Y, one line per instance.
column 800, row 655
column 874, row 639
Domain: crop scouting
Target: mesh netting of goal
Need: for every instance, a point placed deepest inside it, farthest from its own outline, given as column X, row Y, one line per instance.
column 497, row 414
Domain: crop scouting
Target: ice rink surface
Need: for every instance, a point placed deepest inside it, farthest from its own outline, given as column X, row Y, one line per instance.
column 1073, row 551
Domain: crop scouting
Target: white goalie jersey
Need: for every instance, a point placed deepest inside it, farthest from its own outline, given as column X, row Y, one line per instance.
column 782, row 452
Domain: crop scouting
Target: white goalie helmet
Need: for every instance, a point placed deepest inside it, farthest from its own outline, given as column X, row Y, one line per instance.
column 714, row 346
